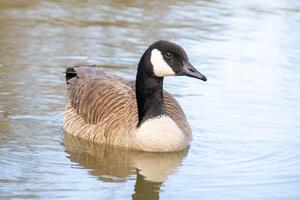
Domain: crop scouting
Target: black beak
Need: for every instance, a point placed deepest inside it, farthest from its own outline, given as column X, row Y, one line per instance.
column 189, row 70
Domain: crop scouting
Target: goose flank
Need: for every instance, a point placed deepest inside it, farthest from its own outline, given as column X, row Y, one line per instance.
column 138, row 114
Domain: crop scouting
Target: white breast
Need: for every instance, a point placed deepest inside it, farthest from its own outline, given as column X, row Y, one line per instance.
column 160, row 134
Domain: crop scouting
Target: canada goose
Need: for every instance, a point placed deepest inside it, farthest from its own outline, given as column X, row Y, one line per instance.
column 111, row 110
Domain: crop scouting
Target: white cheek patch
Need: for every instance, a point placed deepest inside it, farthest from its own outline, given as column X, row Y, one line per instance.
column 160, row 67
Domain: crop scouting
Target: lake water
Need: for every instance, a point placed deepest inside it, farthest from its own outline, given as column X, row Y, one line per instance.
column 245, row 118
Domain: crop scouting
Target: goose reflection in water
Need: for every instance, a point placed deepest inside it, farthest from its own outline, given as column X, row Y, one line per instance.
column 112, row 164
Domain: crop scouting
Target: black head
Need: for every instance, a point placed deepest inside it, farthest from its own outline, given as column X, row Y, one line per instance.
column 169, row 59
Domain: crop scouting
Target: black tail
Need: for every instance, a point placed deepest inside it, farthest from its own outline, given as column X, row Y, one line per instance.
column 70, row 73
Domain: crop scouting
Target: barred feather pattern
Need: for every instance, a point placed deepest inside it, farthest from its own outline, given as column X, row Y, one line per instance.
column 103, row 109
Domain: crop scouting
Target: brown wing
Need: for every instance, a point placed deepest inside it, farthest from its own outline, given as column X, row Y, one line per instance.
column 97, row 99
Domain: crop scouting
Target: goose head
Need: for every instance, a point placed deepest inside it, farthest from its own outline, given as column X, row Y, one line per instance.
column 161, row 59
column 165, row 58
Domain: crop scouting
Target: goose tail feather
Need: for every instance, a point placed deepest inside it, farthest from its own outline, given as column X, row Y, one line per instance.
column 70, row 73
column 83, row 72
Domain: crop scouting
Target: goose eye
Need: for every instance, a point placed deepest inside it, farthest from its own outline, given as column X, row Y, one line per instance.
column 169, row 55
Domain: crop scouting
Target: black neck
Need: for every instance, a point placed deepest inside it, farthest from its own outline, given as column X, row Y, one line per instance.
column 149, row 92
